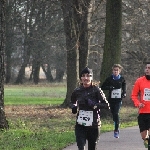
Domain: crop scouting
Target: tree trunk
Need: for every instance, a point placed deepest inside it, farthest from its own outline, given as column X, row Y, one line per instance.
column 36, row 72
column 3, row 121
column 9, row 33
column 21, row 75
column 76, row 28
column 8, row 68
column 112, row 45
column 59, row 75
column 71, row 45
column 48, row 73
column 82, row 22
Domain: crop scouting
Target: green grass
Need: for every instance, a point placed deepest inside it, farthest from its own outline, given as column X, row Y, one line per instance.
column 14, row 100
column 53, row 127
column 23, row 95
column 25, row 139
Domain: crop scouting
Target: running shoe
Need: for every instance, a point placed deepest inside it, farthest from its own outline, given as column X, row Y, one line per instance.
column 146, row 143
column 116, row 134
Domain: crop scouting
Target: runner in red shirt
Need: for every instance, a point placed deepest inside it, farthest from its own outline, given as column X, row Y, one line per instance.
column 141, row 98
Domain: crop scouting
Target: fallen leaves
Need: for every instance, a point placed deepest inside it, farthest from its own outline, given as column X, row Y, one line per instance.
column 37, row 111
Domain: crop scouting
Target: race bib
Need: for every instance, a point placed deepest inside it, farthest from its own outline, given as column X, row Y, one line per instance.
column 146, row 95
column 116, row 93
column 85, row 118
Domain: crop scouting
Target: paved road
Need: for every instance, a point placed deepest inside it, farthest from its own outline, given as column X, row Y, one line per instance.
column 129, row 140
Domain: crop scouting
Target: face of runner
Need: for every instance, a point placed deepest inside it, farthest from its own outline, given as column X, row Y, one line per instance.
column 147, row 69
column 116, row 71
column 86, row 79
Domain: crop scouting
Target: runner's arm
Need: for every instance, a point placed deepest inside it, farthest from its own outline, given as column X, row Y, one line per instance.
column 135, row 94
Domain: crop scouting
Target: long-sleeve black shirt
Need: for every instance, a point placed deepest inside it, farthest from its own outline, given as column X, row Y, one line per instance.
column 80, row 96
column 110, row 83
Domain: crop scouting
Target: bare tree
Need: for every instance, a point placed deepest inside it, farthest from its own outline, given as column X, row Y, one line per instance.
column 71, row 46
column 76, row 29
column 135, row 37
column 112, row 45
column 3, row 121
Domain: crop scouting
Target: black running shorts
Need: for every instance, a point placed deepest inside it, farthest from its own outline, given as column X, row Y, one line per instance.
column 144, row 121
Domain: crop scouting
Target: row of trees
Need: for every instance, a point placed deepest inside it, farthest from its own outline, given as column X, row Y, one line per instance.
column 114, row 49
column 37, row 31
column 76, row 22
column 34, row 38
column 36, row 35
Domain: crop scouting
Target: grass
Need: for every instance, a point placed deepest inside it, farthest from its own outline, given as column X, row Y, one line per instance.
column 25, row 139
column 32, row 100
column 36, row 122
column 35, row 95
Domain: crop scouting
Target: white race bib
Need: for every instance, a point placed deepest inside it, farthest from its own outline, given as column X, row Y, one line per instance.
column 85, row 118
column 116, row 93
column 146, row 95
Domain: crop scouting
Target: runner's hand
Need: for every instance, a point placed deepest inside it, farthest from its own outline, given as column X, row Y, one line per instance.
column 123, row 95
column 141, row 105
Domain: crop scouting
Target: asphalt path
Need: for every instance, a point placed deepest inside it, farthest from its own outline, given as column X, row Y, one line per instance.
column 129, row 139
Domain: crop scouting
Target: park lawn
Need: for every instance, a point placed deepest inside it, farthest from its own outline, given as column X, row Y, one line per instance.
column 37, row 122
column 13, row 100
column 35, row 95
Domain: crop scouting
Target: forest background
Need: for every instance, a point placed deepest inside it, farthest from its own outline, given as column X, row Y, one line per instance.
column 38, row 33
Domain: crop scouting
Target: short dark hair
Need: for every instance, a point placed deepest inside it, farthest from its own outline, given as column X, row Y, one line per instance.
column 147, row 63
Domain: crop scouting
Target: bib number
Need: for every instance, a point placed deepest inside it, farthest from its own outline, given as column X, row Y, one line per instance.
column 85, row 118
column 116, row 93
column 146, row 95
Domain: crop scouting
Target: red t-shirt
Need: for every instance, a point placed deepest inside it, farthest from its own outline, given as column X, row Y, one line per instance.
column 141, row 94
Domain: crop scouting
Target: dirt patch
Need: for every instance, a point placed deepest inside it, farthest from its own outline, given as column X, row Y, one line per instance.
column 38, row 111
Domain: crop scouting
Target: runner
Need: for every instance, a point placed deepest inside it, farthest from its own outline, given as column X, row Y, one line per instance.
column 141, row 98
column 86, row 101
column 116, row 86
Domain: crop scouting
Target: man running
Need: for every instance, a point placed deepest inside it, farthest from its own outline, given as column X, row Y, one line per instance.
column 141, row 98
